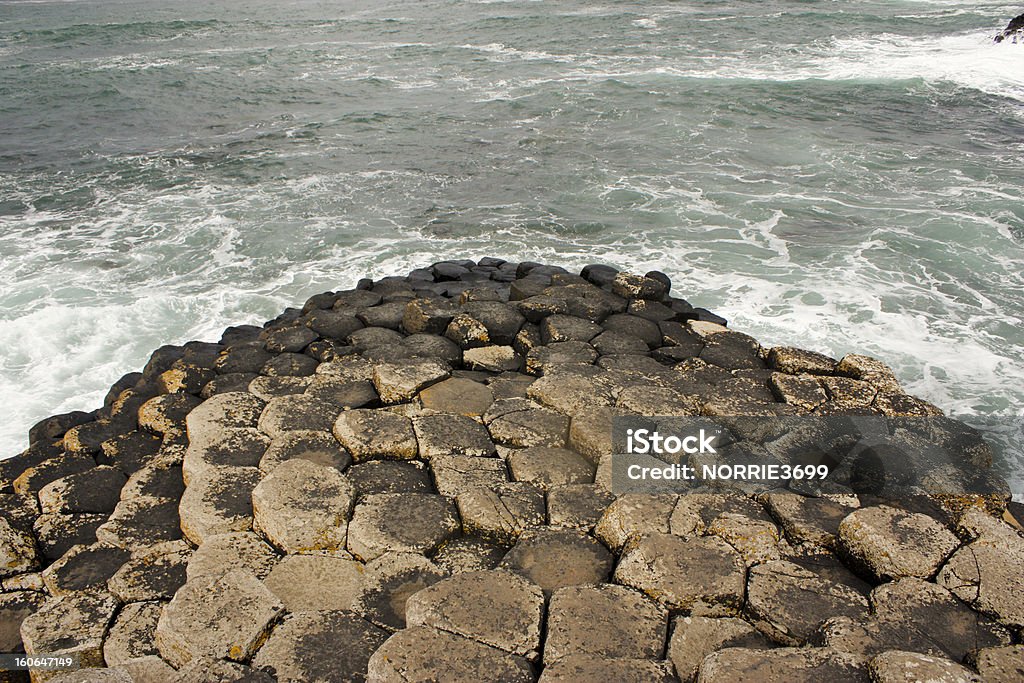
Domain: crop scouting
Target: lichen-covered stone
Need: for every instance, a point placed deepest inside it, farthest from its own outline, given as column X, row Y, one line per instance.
column 390, row 580
column 1001, row 663
column 797, row 665
column 84, row 567
column 584, row 668
column 56, row 534
column 695, row 637
column 165, row 413
column 493, row 607
column 458, row 396
column 17, row 550
column 97, row 490
column 443, row 434
column 319, row 448
column 798, row 361
column 414, row 654
column 74, row 624
column 633, row 515
column 604, row 620
column 297, row 412
column 555, row 558
column 791, row 602
column 403, row 522
column 682, row 574
column 578, row 506
column 368, row 434
column 501, row 511
column 132, row 633
column 303, row 507
column 400, row 381
column 296, row 651
column 155, row 573
column 531, row 426
column 223, row 553
column 307, row 583
column 229, row 448
column 229, row 618
column 895, row 666
column 492, row 358
column 223, row 411
column 887, row 543
column 218, row 503
column 808, row 520
column 547, row 467
column 15, row 606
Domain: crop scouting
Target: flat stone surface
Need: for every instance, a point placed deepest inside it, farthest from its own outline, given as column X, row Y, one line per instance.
column 220, row 554
column 223, row 411
column 270, row 387
column 390, row 476
column 457, row 474
column 226, row 619
column 57, row 534
column 129, row 451
column 469, row 554
column 368, row 434
column 555, row 558
column 73, row 624
column 218, row 503
column 140, row 522
column 389, row 582
column 415, row 654
column 791, row 602
column 451, row 435
column 492, row 359
column 14, row 607
column 308, row 583
column 297, row 412
column 633, row 515
column 532, row 426
column 886, row 543
column 808, row 520
column 501, row 512
column 798, row 361
column 605, row 620
column 229, row 448
column 303, row 507
column 131, row 635
column 542, row 359
column 400, row 381
column 148, row 669
column 1002, row 663
column 166, row 413
column 583, row 668
column 569, row 391
column 96, row 490
column 290, row 364
column 546, row 467
column 342, row 393
column 36, row 477
column 83, row 567
column 204, row 669
column 319, row 448
column 578, row 506
column 561, row 328
column 801, row 665
column 493, row 607
column 404, row 522
column 458, row 396
column 695, row 637
column 682, row 574
column 297, row 650
column 909, row 667
column 153, row 574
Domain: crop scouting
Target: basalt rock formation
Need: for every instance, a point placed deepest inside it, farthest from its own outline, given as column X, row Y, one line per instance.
column 1014, row 31
column 412, row 480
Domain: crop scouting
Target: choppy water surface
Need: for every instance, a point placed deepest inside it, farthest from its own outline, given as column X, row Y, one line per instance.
column 843, row 176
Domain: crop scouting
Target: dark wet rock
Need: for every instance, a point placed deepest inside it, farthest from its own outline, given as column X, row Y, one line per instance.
column 428, row 316
column 54, row 427
column 390, row 476
column 152, row 574
column 630, row 286
column 35, row 478
column 1013, row 32
column 297, row 413
column 386, row 315
column 267, row 387
column 95, row 490
column 563, row 328
column 140, row 522
column 14, row 608
column 56, row 533
column 230, row 448
column 341, row 393
column 242, row 358
column 84, row 567
column 185, row 378
column 229, row 383
column 290, row 364
column 732, row 351
column 598, row 274
column 129, row 451
column 330, row 324
column 635, row 327
column 296, row 652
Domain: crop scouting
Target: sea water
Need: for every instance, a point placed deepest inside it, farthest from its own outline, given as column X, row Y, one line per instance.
column 840, row 176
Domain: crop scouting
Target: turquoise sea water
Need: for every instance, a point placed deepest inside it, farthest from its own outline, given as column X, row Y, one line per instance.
column 842, row 176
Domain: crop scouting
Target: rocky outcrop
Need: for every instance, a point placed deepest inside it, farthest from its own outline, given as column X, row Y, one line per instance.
column 1013, row 32
column 413, row 480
